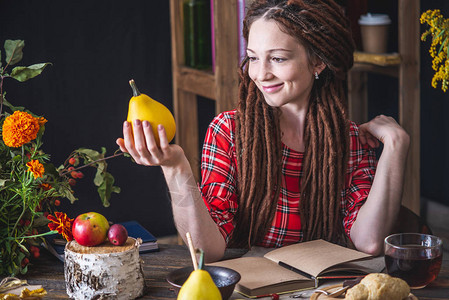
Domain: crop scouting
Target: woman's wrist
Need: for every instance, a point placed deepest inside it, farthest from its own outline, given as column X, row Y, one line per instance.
column 178, row 168
column 399, row 141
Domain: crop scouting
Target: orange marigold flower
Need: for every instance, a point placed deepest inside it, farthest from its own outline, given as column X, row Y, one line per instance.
column 45, row 186
column 35, row 167
column 21, row 128
column 61, row 223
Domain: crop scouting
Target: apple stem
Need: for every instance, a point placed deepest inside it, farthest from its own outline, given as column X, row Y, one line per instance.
column 134, row 87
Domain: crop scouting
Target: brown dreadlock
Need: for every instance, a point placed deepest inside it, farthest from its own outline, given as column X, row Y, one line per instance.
column 321, row 27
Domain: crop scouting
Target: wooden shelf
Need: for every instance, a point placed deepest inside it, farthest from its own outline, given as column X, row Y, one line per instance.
column 195, row 81
column 392, row 71
column 220, row 86
column 409, row 93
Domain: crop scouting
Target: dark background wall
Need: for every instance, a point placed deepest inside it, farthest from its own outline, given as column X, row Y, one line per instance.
column 95, row 47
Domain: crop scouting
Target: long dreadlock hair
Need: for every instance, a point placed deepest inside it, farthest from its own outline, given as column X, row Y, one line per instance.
column 321, row 27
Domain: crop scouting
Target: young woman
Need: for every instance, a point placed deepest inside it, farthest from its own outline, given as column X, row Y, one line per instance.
column 287, row 165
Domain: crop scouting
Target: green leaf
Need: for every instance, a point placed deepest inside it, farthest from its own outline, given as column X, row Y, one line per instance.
column 40, row 221
column 51, row 170
column 99, row 177
column 442, row 44
column 24, row 73
column 91, row 154
column 107, row 188
column 24, row 249
column 13, row 50
column 24, row 270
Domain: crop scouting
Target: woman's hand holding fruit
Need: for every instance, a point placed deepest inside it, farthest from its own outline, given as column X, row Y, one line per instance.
column 139, row 141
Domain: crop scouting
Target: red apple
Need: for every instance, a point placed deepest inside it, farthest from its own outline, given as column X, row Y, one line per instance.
column 90, row 229
column 117, row 234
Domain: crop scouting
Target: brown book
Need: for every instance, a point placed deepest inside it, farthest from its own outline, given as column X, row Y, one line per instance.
column 299, row 266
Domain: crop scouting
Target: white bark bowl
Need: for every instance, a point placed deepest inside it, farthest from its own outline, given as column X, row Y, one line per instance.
column 104, row 272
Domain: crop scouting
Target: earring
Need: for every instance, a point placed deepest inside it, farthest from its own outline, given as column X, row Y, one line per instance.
column 316, row 75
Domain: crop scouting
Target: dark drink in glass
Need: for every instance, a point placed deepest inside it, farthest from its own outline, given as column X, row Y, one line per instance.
column 415, row 258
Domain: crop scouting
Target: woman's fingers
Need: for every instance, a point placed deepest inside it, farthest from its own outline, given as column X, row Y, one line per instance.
column 151, row 143
column 366, row 137
column 128, row 138
column 140, row 143
column 121, row 143
column 162, row 137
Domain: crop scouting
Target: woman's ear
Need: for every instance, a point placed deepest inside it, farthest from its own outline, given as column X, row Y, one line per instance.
column 319, row 67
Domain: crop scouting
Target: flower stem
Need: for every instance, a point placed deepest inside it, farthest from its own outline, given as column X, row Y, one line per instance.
column 33, row 236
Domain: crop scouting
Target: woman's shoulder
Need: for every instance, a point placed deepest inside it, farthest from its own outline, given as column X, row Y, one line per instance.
column 224, row 119
column 226, row 115
column 355, row 143
column 353, row 128
column 223, row 125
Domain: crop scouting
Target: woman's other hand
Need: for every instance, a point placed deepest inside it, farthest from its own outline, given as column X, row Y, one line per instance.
column 384, row 129
column 141, row 145
column 378, row 214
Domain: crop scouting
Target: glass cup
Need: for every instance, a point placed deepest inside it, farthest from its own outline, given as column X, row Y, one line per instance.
column 413, row 257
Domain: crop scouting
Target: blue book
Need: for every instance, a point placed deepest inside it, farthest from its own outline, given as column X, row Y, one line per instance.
column 136, row 230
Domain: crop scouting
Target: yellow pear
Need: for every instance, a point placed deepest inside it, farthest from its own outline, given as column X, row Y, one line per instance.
column 199, row 285
column 143, row 107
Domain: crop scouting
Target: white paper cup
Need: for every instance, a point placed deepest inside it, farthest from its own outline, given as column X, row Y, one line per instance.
column 374, row 29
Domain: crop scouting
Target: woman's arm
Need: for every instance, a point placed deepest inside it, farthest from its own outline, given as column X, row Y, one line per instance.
column 189, row 211
column 378, row 214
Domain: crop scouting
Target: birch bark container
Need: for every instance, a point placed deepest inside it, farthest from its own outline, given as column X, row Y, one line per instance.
column 104, row 272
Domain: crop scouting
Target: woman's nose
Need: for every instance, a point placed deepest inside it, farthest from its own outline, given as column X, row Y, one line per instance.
column 264, row 72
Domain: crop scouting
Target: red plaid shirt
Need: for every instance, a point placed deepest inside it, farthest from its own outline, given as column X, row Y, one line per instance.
column 219, row 185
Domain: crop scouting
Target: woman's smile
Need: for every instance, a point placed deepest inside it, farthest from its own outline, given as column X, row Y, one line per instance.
column 272, row 88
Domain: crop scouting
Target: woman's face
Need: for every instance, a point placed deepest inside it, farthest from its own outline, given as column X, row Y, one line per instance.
column 279, row 65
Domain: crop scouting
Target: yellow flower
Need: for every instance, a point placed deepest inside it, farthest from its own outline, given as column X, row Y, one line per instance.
column 21, row 128
column 439, row 30
column 35, row 167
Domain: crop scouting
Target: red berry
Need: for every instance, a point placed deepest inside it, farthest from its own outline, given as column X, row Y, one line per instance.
column 27, row 222
column 71, row 169
column 57, row 202
column 72, row 161
column 79, row 175
column 35, row 251
column 25, row 262
column 74, row 174
column 72, row 181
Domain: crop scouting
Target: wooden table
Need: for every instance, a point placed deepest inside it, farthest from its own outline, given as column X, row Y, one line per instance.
column 49, row 272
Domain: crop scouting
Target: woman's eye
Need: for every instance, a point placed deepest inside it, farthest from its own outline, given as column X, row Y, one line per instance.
column 252, row 58
column 278, row 59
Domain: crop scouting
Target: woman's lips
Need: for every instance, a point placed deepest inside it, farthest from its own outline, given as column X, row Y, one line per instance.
column 272, row 88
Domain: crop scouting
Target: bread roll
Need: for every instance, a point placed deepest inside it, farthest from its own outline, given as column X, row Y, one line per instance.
column 379, row 286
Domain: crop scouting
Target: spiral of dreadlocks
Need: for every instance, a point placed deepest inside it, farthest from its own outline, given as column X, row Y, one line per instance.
column 321, row 27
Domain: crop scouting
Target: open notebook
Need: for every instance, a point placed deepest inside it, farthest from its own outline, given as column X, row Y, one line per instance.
column 299, row 266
